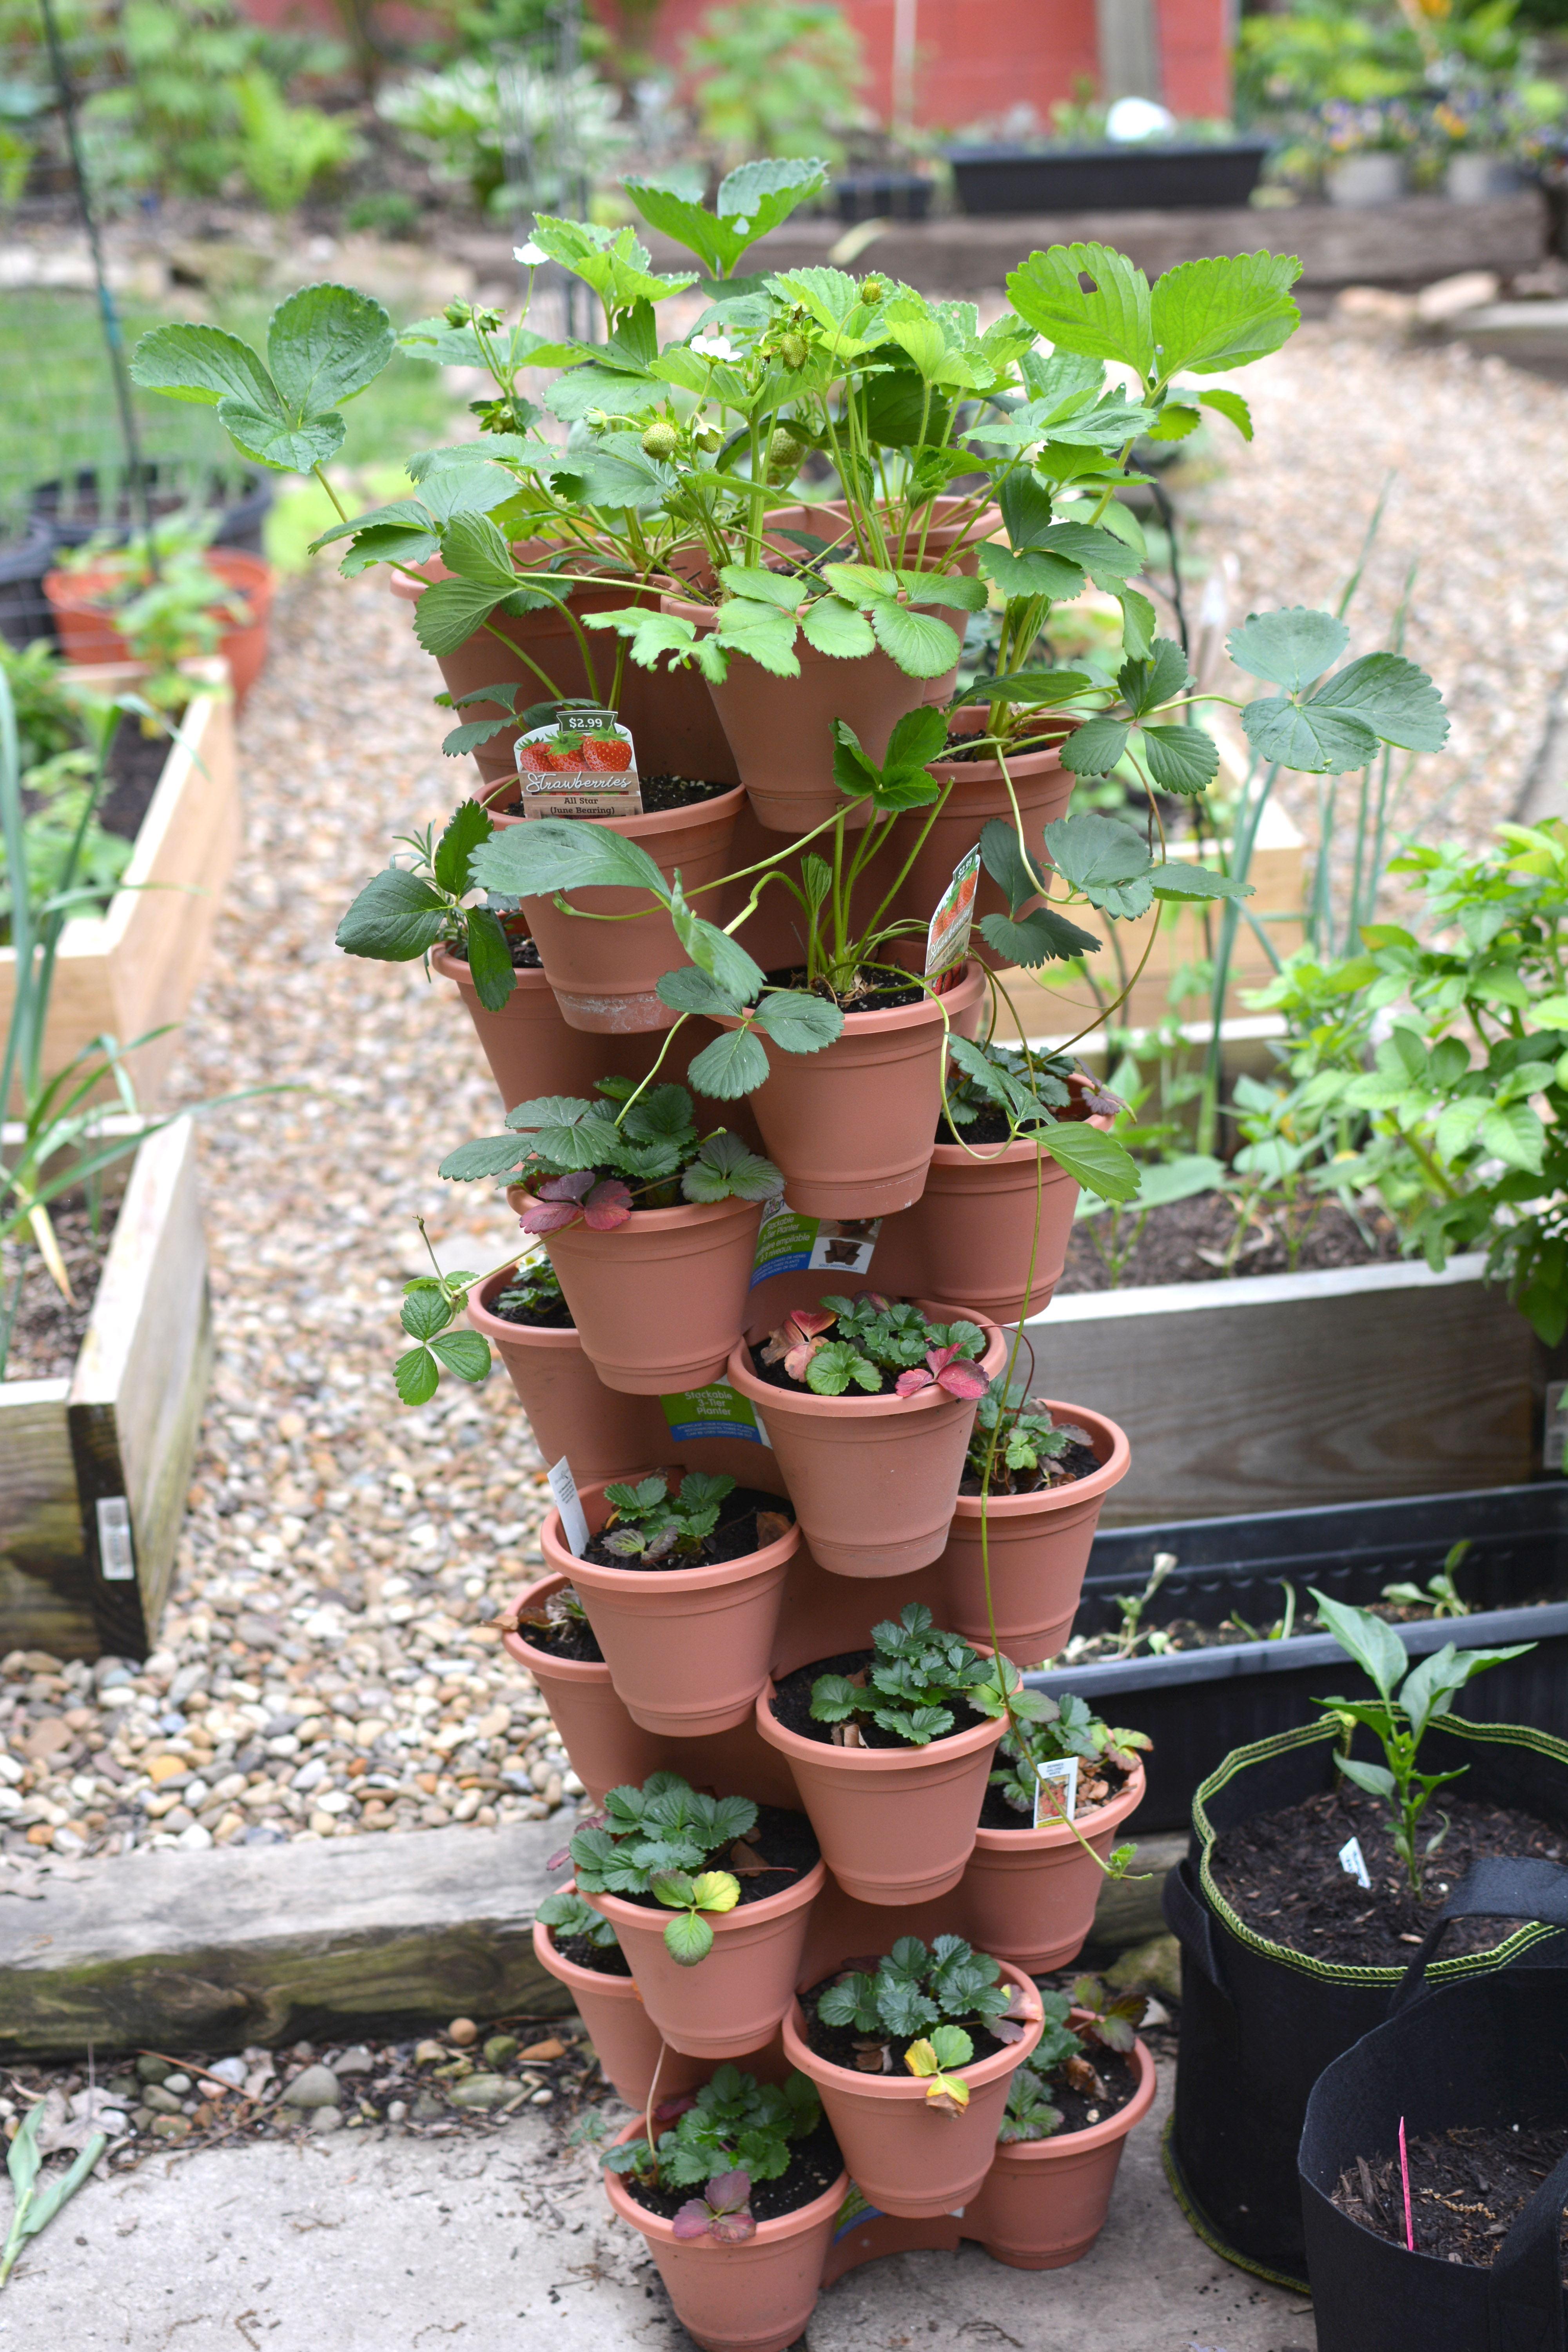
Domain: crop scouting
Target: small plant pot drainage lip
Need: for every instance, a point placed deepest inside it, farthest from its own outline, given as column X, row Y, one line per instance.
column 731, row 2003
column 756, row 2296
column 905, row 2157
column 1044, row 2201
column 1197, row 1706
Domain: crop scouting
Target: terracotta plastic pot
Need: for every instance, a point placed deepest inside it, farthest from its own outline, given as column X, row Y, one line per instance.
column 1038, row 1547
column 669, row 713
column 751, row 2297
column 873, row 1478
column 978, row 793
column 687, row 1648
column 731, row 2003
column 89, row 633
column 569, row 1408
column 852, row 1126
column 607, row 1750
column 780, row 730
column 626, row 2045
column 1028, row 1895
column 906, row 2157
column 1044, row 2201
column 603, row 974
column 532, row 1050
column 657, row 1302
column 896, row 1825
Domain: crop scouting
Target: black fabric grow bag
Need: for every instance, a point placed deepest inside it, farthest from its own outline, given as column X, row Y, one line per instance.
column 1198, row 1706
column 1260, row 2021
column 1491, row 2052
column 1106, row 179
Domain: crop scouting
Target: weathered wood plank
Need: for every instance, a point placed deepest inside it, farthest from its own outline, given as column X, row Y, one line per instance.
column 45, row 1601
column 245, row 1944
column 1282, row 1391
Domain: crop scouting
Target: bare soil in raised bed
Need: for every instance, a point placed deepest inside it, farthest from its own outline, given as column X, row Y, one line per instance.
column 1467, row 2187
column 47, row 1332
column 1173, row 1242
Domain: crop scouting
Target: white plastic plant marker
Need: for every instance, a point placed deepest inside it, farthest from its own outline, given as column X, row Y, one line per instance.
column 1354, row 1862
column 947, row 936
column 563, row 1493
column 116, row 1551
column 1056, row 1798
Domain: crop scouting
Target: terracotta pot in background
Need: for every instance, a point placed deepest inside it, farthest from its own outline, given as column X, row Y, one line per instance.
column 873, row 1478
column 1044, row 2201
column 626, row 2045
column 1028, row 1895
column 569, row 1408
column 969, row 1234
column 89, row 633
column 751, row 2297
column 532, row 1050
column 1038, row 1547
column 687, row 1648
column 729, row 2004
column 657, row 1302
column 607, row 1750
column 852, row 1126
column 896, row 1825
column 904, row 2157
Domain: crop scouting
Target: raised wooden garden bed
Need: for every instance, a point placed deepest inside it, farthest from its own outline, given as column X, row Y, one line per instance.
column 93, row 1469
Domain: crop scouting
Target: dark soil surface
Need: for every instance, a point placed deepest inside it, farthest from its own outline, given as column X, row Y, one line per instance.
column 1081, row 2110
column 1064, row 1469
column 997, row 1814
column 1175, row 1236
column 873, row 996
column 1281, row 1873
column 815, row 2165
column 572, row 1638
column 784, row 1839
column 135, row 763
column 791, row 1705
column 662, row 792
column 525, row 956
column 557, row 1317
column 604, row 1959
column 837, row 2043
column 49, row 1330
column 777, row 1378
column 990, row 1126
column 1468, row 2186
column 736, row 1537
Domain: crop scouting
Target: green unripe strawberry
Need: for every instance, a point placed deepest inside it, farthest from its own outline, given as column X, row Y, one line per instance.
column 784, row 453
column 792, row 350
column 660, row 440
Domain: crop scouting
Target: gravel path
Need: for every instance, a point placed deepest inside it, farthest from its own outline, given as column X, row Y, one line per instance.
column 326, row 1665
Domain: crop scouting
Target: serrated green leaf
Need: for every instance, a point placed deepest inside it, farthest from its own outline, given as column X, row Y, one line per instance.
column 692, row 991
column 687, row 1939
column 768, row 587
column 550, row 854
column 448, row 613
column 1312, row 739
column 490, row 959
column 1180, row 758
column 204, row 364
column 1094, row 749
column 761, row 633
column 324, row 344
column 1178, row 880
column 1108, row 319
column 464, row 1352
column 1290, row 647
column 1223, row 313
column 838, row 629
column 922, row 646
column 1033, row 574
column 1042, row 937
column 1097, row 852
column 396, row 918
column 1392, row 696
column 416, row 1375
column 485, row 1156
column 1101, row 1164
column 1230, row 405
column 1514, row 1135
column 733, row 1064
column 799, row 1022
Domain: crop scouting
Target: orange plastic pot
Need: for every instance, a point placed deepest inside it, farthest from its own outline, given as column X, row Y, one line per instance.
column 687, row 1648
column 607, row 1750
column 731, row 2003
column 852, row 1126
column 659, row 1301
column 751, row 2297
column 873, row 1478
column 605, row 973
column 896, row 1825
column 1038, row 1547
column 626, row 2043
column 88, row 633
column 971, row 1233
column 1044, row 2201
column 1028, row 1895
column 570, row 1410
column 906, row 2156
column 532, row 1050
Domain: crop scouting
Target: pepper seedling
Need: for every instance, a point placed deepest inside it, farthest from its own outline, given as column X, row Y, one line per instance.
column 647, row 1522
column 1440, row 1593
column 656, row 1840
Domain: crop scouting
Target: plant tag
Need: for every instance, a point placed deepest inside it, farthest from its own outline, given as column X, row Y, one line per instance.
column 717, row 1410
column 947, row 938
column 584, row 765
column 790, row 1244
column 563, row 1493
column 116, row 1553
column 1060, row 1778
column 1354, row 1862
column 1554, row 1440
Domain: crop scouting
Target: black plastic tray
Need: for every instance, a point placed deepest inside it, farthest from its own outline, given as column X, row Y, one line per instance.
column 1106, row 179
column 1197, row 1704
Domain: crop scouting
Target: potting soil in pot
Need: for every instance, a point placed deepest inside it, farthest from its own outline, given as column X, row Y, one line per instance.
column 1468, row 2185
column 872, row 996
column 564, row 1637
column 1083, row 2103
column 603, row 1959
column 749, row 1520
column 1063, row 1469
column 782, row 1842
column 1281, row 1873
column 791, row 1705
column 1096, row 1789
column 864, row 2053
column 525, row 956
column 815, row 2164
column 553, row 1315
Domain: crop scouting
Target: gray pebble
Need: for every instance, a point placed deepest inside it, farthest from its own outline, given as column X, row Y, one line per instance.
column 357, row 2061
column 326, row 2119
column 180, row 2084
column 161, row 2101
column 397, row 2112
column 479, row 2091
column 229, row 2070
column 315, row 2087
column 152, row 2069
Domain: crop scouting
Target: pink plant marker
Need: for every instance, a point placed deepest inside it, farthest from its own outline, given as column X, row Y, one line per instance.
column 1405, row 2175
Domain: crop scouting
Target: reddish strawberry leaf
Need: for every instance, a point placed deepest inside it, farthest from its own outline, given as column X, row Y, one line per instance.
column 692, row 2220
column 609, row 1204
column 962, row 1379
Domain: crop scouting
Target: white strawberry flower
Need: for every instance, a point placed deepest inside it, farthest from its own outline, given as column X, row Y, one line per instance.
column 530, row 255
column 714, row 347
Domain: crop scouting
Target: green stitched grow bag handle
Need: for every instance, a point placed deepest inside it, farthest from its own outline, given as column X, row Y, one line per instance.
column 1498, row 1887
column 1188, row 1919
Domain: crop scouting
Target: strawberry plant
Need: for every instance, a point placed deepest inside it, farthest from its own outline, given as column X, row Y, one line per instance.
column 916, row 1681
column 907, row 1996
column 723, row 2213
column 657, row 1840
column 1061, row 2055
column 575, row 1921
column 647, row 1522
column 405, row 910
column 1020, row 1440
column 878, row 1343
column 1066, row 1727
column 732, row 2124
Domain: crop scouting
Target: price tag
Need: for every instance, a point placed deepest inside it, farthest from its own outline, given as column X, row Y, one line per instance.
column 790, row 1244
column 1354, row 1862
column 947, row 940
column 1055, row 1799
column 717, row 1410
column 584, row 765
column 563, row 1492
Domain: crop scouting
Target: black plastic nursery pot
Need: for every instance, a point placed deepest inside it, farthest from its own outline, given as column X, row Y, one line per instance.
column 1196, row 1706
column 240, row 518
column 1492, row 2053
column 882, row 196
column 25, row 612
column 1260, row 2020
column 1106, row 179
